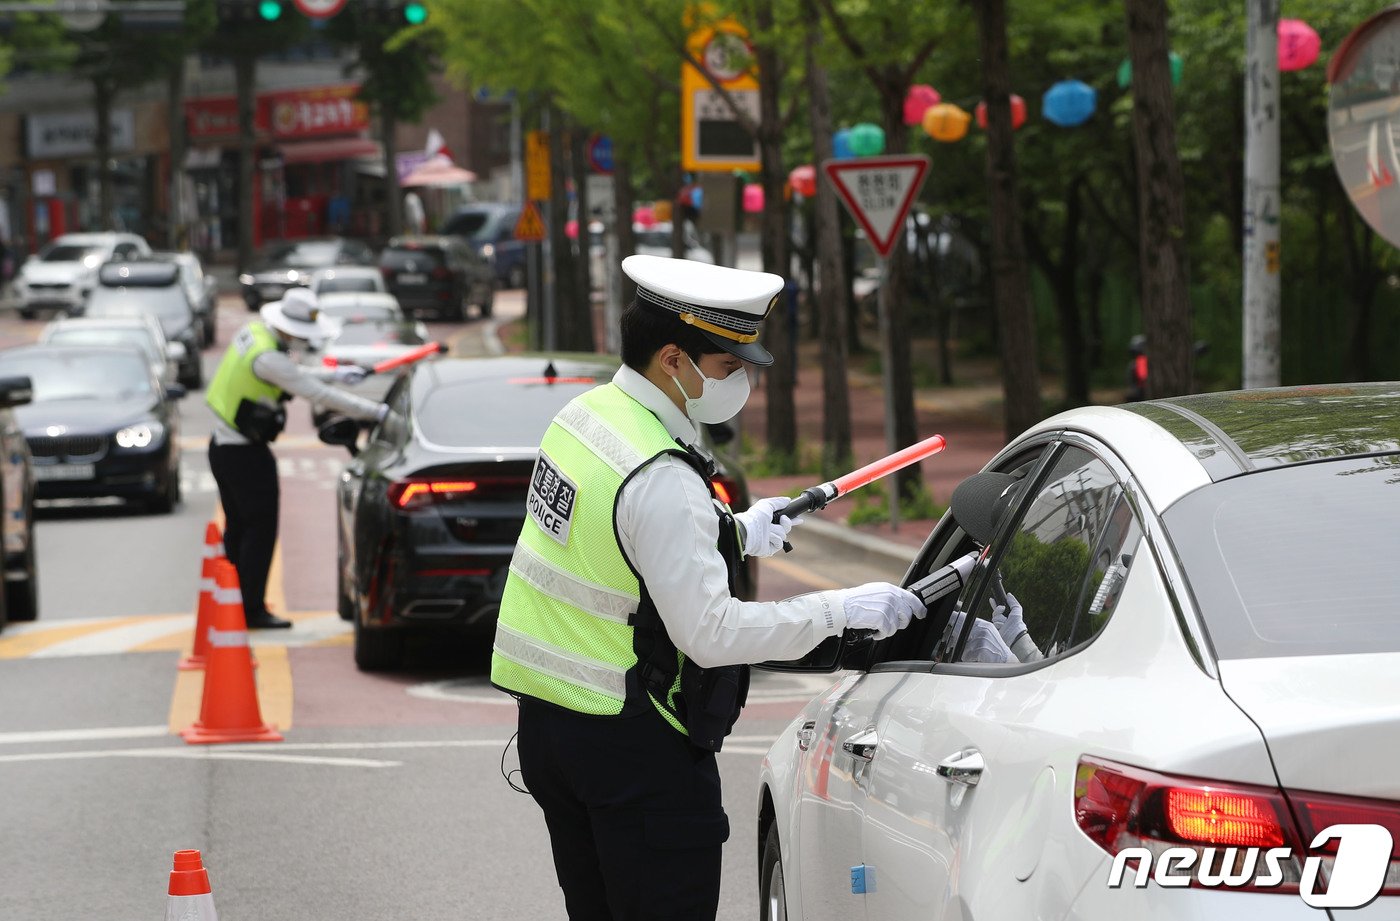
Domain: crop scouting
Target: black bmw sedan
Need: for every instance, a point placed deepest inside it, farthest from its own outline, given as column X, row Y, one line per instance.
column 430, row 509
column 100, row 424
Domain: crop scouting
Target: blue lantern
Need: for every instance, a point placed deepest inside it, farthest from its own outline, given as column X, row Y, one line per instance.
column 697, row 198
column 841, row 144
column 1069, row 103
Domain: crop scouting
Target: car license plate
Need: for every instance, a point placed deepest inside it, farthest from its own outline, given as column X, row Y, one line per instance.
column 271, row 290
column 412, row 278
column 65, row 472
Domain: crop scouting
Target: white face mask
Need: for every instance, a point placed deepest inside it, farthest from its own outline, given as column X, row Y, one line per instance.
column 719, row 400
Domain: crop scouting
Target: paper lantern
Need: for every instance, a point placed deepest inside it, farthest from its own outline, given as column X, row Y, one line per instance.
column 803, row 180
column 571, row 229
column 697, row 198
column 841, row 144
column 1069, row 103
column 946, row 122
column 1018, row 113
column 753, row 198
column 1298, row 45
column 920, row 98
column 645, row 216
column 1125, row 70
column 867, row 140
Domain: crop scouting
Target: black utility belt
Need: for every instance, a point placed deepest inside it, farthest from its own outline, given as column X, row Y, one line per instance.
column 259, row 422
column 709, row 703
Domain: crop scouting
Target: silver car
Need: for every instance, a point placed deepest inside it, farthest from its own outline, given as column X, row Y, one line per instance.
column 141, row 332
column 64, row 272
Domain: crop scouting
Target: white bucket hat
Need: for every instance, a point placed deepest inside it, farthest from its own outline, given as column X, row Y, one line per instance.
column 297, row 315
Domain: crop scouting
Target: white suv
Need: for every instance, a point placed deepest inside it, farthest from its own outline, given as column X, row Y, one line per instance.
column 65, row 271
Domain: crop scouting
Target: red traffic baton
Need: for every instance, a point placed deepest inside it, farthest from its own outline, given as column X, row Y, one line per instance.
column 815, row 498
column 408, row 358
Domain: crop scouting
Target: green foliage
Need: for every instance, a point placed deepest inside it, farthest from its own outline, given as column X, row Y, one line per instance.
column 758, row 461
column 397, row 62
column 871, row 505
column 1045, row 578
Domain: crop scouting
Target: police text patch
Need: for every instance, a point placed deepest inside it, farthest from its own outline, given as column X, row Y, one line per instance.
column 551, row 500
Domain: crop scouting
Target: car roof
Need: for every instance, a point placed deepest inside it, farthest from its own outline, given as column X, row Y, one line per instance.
column 101, row 237
column 331, row 271
column 139, row 273
column 1177, row 445
column 73, row 351
column 131, row 321
column 448, row 372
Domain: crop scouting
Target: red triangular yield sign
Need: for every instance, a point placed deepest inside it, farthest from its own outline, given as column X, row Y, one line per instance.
column 878, row 192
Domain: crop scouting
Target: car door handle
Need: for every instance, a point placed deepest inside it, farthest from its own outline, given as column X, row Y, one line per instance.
column 964, row 767
column 806, row 735
column 862, row 745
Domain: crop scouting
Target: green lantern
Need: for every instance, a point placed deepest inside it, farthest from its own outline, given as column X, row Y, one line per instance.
column 867, row 140
column 1125, row 70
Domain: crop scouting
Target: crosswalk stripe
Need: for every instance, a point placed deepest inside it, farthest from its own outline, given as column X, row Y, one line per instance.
column 124, row 637
column 155, row 633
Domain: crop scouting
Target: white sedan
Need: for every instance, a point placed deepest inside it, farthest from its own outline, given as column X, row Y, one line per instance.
column 348, row 279
column 1175, row 656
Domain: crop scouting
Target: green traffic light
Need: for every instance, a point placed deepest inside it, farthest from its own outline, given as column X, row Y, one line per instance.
column 270, row 10
column 415, row 13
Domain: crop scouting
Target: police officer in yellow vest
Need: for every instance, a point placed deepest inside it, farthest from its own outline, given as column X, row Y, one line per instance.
column 255, row 377
column 619, row 633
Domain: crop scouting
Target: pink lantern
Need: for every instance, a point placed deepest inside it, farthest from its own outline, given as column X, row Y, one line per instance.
column 803, row 180
column 920, row 98
column 1018, row 113
column 753, row 198
column 645, row 216
column 1298, row 44
column 571, row 229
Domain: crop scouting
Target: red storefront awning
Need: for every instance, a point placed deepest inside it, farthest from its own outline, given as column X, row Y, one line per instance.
column 329, row 150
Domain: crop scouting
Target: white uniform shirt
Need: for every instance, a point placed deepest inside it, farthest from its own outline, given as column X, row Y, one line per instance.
column 667, row 527
column 281, row 371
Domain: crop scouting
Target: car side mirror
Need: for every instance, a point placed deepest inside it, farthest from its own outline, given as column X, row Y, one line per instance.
column 341, row 430
column 15, row 391
column 175, row 391
column 176, row 351
column 825, row 658
column 721, row 433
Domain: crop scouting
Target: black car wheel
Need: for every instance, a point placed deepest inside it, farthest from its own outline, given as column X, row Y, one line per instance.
column 22, row 595
column 26, row 313
column 772, row 905
column 489, row 301
column 193, row 378
column 164, row 500
column 377, row 650
column 211, row 331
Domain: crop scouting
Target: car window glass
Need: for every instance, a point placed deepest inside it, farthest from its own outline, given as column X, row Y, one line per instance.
column 392, row 430
column 1043, row 563
column 1119, row 546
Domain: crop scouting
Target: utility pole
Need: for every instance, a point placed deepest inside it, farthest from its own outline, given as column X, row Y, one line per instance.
column 1262, row 311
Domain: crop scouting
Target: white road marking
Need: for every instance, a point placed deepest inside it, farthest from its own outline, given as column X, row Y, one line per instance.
column 84, row 735
column 197, row 754
column 767, row 687
column 104, row 642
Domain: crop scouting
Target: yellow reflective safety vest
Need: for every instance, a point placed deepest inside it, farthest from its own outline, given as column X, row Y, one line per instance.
column 234, row 381
column 576, row 628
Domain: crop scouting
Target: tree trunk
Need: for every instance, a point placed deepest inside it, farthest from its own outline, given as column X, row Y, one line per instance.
column 1076, row 372
column 244, row 73
column 1166, row 305
column 624, row 202
column 583, row 338
column 393, row 206
column 566, row 310
column 903, row 429
column 176, row 237
column 1020, row 374
column 102, row 93
column 831, row 295
column 780, row 338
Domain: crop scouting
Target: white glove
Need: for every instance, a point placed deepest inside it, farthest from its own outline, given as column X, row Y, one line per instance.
column 881, row 607
column 350, row 375
column 1012, row 627
column 382, row 412
column 984, row 643
column 763, row 536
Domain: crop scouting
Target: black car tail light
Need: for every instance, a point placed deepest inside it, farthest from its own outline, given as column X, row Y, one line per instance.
column 422, row 493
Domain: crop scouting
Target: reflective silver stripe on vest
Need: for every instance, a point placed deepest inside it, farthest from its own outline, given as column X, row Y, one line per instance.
column 597, row 434
column 566, row 666
column 597, row 600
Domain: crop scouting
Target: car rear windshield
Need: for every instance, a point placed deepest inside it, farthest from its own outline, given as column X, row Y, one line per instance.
column 475, row 225
column 398, row 257
column 169, row 305
column 374, row 332
column 61, row 375
column 1296, row 561
column 357, row 285
column 109, row 335
column 493, row 413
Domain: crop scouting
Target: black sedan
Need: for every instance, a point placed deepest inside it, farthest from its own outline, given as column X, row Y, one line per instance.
column 100, row 424
column 438, row 275
column 429, row 511
column 291, row 264
column 21, row 596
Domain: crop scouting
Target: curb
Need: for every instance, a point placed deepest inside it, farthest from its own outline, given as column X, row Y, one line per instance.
column 856, row 546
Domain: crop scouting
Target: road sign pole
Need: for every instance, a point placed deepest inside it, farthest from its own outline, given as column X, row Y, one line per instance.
column 887, row 378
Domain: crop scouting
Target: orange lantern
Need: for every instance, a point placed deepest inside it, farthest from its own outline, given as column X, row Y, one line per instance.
column 946, row 122
column 1018, row 113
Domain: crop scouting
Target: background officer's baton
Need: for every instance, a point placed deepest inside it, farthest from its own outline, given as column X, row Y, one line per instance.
column 408, row 358
column 815, row 498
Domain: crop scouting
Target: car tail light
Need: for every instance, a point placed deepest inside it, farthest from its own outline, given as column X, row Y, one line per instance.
column 330, row 361
column 1119, row 807
column 408, row 494
column 442, row 271
column 1317, row 811
column 726, row 489
column 387, row 272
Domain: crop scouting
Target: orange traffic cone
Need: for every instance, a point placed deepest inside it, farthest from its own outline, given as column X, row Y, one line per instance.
column 229, row 710
column 191, row 899
column 204, row 613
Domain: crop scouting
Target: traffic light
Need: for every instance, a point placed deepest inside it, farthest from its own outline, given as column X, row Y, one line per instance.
column 415, row 13
column 234, row 12
column 269, row 10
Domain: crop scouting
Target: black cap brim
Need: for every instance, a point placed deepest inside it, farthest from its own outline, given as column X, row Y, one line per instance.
column 980, row 501
column 752, row 352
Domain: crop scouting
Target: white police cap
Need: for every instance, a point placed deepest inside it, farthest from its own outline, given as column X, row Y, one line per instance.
column 727, row 305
